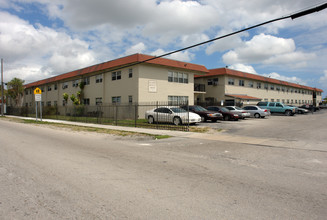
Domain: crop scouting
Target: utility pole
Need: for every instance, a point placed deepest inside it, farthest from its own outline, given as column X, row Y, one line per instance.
column 2, row 91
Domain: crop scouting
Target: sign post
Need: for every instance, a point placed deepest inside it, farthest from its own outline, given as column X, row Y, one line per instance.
column 38, row 98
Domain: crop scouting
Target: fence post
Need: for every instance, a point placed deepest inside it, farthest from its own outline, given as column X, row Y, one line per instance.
column 116, row 114
column 135, row 115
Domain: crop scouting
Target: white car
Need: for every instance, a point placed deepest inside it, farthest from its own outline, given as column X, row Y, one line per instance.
column 237, row 110
column 171, row 114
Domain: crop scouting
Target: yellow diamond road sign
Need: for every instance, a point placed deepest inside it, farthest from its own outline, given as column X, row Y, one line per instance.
column 37, row 91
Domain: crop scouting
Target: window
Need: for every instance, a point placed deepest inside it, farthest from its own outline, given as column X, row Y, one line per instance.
column 277, row 88
column 283, row 89
column 75, row 83
column 230, row 81
column 65, row 85
column 272, row 87
column 241, row 82
column 55, row 86
column 86, row 101
column 266, row 86
column 283, row 100
column 272, row 104
column 98, row 101
column 258, row 85
column 116, row 75
column 295, row 101
column 279, row 105
column 177, row 77
column 49, row 88
column 292, row 92
column 288, row 101
column 86, row 81
column 272, row 100
column 266, row 100
column 26, row 92
column 98, row 78
column 42, row 89
column 180, row 77
column 130, row 73
column 295, row 90
column 170, row 76
column 278, row 100
column 213, row 81
column 115, row 99
column 185, row 78
column 49, row 103
column 63, row 102
column 130, row 99
column 177, row 99
column 251, row 84
column 55, row 103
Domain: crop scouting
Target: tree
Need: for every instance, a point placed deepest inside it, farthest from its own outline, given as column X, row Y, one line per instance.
column 324, row 100
column 15, row 90
column 65, row 96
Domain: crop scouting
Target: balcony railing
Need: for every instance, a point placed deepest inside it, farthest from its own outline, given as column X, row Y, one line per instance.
column 199, row 87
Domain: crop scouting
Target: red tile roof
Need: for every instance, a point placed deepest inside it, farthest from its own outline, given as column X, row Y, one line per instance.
column 122, row 63
column 230, row 72
column 243, row 97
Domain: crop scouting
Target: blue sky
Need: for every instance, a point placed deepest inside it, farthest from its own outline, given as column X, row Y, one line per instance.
column 43, row 38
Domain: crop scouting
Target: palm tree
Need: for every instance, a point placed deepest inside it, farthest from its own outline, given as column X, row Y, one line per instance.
column 15, row 90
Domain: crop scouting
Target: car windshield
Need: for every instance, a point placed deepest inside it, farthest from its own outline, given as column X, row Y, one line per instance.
column 238, row 108
column 199, row 108
column 177, row 110
column 223, row 109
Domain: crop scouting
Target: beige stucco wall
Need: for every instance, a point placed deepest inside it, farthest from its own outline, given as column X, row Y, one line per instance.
column 286, row 96
column 154, row 85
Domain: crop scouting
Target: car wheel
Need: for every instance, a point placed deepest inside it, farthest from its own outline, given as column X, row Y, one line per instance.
column 177, row 121
column 257, row 115
column 288, row 113
column 150, row 120
column 226, row 118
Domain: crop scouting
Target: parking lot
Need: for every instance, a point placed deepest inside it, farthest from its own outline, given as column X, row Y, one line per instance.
column 305, row 129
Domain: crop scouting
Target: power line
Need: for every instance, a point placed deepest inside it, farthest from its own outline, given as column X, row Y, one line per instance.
column 292, row 16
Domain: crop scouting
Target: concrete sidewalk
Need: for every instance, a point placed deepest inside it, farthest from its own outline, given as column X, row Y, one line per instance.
column 217, row 136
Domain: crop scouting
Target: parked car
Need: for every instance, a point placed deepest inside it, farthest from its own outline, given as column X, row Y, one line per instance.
column 299, row 110
column 311, row 108
column 241, row 112
column 204, row 113
column 277, row 107
column 227, row 115
column 256, row 111
column 171, row 114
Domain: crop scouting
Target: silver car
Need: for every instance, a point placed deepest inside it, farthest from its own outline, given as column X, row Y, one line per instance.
column 256, row 111
column 237, row 110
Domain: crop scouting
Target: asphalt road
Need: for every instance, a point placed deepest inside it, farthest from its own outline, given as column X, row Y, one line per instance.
column 52, row 173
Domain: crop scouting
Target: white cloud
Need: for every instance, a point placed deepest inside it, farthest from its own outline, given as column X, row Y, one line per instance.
column 137, row 48
column 32, row 49
column 293, row 79
column 185, row 56
column 268, row 50
column 243, row 68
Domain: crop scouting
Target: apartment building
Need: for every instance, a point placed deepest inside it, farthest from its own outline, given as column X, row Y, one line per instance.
column 229, row 87
column 139, row 78
column 132, row 79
